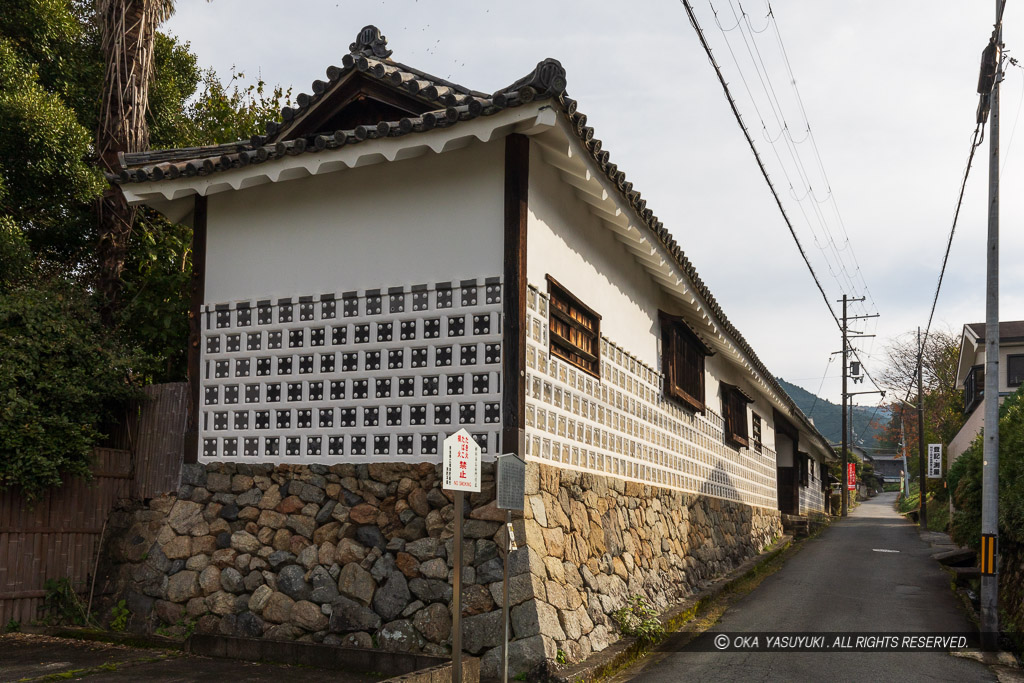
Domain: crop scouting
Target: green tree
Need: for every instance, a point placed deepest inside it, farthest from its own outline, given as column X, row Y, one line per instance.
column 943, row 401
column 62, row 374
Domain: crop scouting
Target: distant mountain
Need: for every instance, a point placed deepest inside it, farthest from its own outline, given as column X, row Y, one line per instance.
column 828, row 416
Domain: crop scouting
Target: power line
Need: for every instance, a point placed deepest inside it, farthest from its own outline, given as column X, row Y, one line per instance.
column 827, row 366
column 979, row 135
column 757, row 156
column 828, row 244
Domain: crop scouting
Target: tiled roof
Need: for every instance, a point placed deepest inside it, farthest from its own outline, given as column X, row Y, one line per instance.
column 453, row 104
column 1012, row 329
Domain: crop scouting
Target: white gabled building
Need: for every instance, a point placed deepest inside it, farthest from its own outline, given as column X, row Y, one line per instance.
column 402, row 256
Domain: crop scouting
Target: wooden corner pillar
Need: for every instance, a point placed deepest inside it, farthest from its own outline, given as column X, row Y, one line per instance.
column 195, row 328
column 513, row 365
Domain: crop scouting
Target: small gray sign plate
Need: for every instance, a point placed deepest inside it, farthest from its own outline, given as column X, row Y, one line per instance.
column 511, row 482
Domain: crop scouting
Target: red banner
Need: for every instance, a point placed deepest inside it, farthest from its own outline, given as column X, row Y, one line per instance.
column 851, row 476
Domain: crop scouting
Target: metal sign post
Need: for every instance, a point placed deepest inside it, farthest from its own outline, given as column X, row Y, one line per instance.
column 511, row 496
column 460, row 472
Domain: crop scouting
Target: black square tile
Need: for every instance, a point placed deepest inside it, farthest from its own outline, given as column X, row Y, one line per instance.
column 326, row 362
column 371, row 416
column 393, row 416
column 360, row 388
column 315, row 391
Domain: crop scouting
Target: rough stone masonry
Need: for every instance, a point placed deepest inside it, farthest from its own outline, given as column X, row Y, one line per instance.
column 360, row 555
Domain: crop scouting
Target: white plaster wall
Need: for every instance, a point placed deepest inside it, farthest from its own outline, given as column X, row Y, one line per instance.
column 567, row 242
column 1004, row 351
column 433, row 218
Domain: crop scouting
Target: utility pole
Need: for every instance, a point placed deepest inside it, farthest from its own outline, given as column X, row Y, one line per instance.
column 922, row 469
column 991, row 74
column 844, row 509
column 845, row 445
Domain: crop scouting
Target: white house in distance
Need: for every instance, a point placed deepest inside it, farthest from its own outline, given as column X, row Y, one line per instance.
column 970, row 376
column 401, row 256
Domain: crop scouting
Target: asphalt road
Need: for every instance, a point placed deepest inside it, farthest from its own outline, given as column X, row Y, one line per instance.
column 838, row 582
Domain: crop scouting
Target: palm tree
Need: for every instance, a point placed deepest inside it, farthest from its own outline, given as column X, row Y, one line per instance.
column 128, row 31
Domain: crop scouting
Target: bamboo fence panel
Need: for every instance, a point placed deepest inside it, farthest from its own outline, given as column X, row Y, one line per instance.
column 58, row 536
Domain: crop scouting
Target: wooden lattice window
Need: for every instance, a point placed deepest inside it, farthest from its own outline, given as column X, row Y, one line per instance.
column 734, row 412
column 682, row 361
column 574, row 330
column 755, row 420
column 805, row 468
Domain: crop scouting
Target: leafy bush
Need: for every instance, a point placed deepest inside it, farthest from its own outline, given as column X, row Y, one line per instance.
column 965, row 484
column 119, row 616
column 639, row 619
column 61, row 603
column 60, row 376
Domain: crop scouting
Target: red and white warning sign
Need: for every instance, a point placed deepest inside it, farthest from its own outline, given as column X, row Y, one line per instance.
column 461, row 463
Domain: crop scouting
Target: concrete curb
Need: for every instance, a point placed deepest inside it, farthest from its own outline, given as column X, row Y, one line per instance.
column 401, row 666
column 624, row 651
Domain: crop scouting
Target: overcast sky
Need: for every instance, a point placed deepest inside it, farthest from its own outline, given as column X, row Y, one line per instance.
column 888, row 87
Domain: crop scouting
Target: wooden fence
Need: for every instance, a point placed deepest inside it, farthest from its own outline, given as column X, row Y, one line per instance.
column 59, row 535
column 157, row 429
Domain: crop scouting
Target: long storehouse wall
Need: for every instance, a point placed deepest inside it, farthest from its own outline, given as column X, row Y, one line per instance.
column 621, row 424
column 376, row 327
column 364, row 291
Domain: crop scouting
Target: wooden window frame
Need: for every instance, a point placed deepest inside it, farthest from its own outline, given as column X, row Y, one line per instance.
column 1019, row 357
column 734, row 415
column 757, row 427
column 680, row 345
column 565, row 348
column 805, row 469
column 974, row 388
